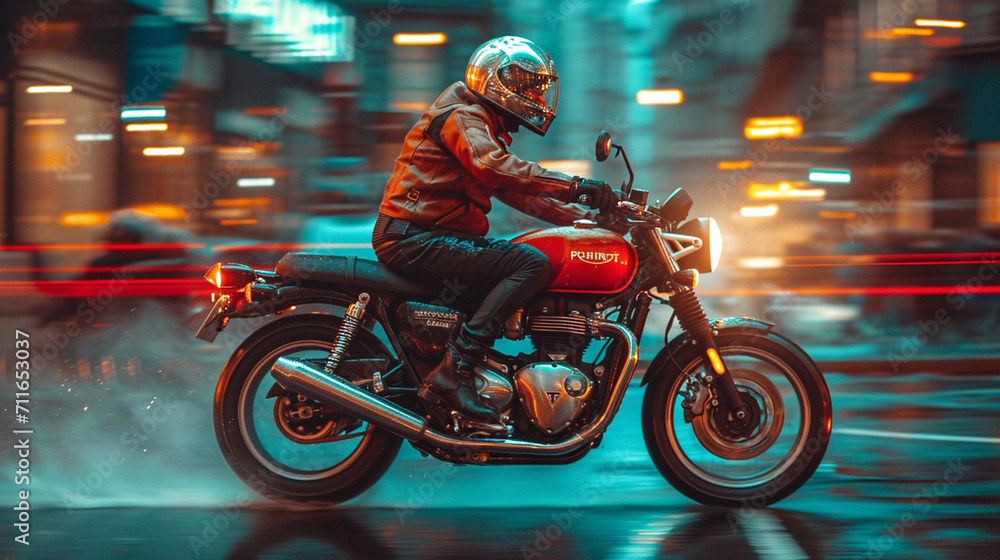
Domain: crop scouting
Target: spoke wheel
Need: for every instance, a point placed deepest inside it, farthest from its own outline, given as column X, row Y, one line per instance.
column 717, row 459
column 285, row 446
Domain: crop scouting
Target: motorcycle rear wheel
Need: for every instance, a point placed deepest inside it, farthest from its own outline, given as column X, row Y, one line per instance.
column 255, row 447
column 751, row 469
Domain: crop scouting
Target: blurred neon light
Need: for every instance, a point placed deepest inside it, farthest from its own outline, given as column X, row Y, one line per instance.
column 144, row 113
column 236, row 202
column 256, row 182
column 759, row 211
column 102, row 137
column 760, row 262
column 728, row 165
column 50, row 89
column 83, row 219
column 44, row 122
column 146, row 127
column 891, row 77
column 907, row 31
column 162, row 211
column 783, row 191
column 171, row 151
column 104, row 247
column 829, row 176
column 243, row 222
column 762, row 128
column 659, row 96
column 419, row 38
column 236, row 152
column 888, row 291
column 952, row 24
column 834, row 215
column 266, row 111
column 87, row 288
column 289, row 246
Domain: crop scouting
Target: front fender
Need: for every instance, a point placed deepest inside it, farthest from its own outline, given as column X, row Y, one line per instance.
column 725, row 325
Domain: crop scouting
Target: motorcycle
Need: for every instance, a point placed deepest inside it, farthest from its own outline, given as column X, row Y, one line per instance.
column 314, row 406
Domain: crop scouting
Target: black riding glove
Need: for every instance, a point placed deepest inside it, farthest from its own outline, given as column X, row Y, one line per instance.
column 595, row 194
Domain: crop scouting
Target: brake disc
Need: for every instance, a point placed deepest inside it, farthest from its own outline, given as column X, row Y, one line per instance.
column 720, row 440
column 304, row 420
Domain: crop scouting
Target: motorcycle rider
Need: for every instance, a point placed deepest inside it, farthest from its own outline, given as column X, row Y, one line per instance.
column 432, row 218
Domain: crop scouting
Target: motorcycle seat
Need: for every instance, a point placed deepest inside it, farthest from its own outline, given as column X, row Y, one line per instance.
column 351, row 271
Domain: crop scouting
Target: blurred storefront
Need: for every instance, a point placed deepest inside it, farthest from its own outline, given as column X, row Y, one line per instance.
column 246, row 117
column 226, row 117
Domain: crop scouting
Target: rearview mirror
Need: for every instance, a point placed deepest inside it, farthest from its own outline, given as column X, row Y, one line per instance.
column 603, row 149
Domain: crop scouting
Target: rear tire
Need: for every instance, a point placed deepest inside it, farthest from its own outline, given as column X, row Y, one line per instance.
column 268, row 461
column 715, row 468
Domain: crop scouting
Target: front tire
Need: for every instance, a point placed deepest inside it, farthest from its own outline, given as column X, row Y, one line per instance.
column 754, row 468
column 259, row 453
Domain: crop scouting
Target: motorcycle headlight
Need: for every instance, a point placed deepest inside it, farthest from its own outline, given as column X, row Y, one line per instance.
column 708, row 257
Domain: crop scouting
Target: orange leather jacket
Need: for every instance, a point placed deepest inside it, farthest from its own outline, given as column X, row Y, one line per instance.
column 455, row 159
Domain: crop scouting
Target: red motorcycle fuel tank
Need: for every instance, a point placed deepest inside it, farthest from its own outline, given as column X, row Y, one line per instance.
column 584, row 259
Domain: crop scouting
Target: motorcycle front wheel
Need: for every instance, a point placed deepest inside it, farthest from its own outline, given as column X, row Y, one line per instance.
column 703, row 457
column 335, row 457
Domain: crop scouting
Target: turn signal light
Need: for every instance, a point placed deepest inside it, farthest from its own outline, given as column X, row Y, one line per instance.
column 230, row 276
column 687, row 278
column 717, row 365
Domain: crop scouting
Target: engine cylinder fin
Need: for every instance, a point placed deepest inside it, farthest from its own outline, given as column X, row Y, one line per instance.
column 570, row 324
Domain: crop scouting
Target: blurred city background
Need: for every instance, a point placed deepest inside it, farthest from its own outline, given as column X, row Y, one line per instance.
column 850, row 151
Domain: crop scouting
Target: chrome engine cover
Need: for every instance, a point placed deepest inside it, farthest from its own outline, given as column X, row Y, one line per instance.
column 552, row 393
column 495, row 387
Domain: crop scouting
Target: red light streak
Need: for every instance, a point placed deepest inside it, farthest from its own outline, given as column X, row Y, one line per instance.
column 175, row 268
column 105, row 247
column 876, row 291
column 898, row 256
column 915, row 263
column 290, row 246
column 123, row 288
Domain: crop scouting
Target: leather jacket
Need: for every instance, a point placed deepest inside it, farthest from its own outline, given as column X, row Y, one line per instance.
column 455, row 159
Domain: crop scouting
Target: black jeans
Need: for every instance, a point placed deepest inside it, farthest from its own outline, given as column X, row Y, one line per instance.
column 508, row 273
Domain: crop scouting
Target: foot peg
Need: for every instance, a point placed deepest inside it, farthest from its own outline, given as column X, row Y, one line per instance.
column 461, row 424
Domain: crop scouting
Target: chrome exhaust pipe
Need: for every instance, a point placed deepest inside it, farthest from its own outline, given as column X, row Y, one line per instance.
column 317, row 384
column 330, row 389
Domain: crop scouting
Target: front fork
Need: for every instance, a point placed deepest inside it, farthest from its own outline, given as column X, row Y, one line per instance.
column 692, row 319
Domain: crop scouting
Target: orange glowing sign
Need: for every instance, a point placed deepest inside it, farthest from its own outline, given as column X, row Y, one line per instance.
column 419, row 38
column 730, row 165
column 784, row 190
column 952, row 24
column 763, row 128
column 170, row 151
column 146, row 127
column 659, row 97
column 891, row 77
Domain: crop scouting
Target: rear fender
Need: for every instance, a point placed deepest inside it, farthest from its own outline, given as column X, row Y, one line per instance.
column 726, row 325
column 272, row 302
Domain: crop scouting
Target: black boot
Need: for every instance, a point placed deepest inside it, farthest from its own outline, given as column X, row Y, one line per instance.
column 452, row 383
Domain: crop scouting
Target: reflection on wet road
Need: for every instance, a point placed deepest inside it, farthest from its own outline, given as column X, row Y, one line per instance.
column 910, row 473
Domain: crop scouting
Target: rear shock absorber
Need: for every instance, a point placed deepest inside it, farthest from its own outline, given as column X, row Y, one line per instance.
column 352, row 320
column 692, row 318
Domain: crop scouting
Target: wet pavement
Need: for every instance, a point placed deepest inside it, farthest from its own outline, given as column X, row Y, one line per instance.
column 910, row 473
